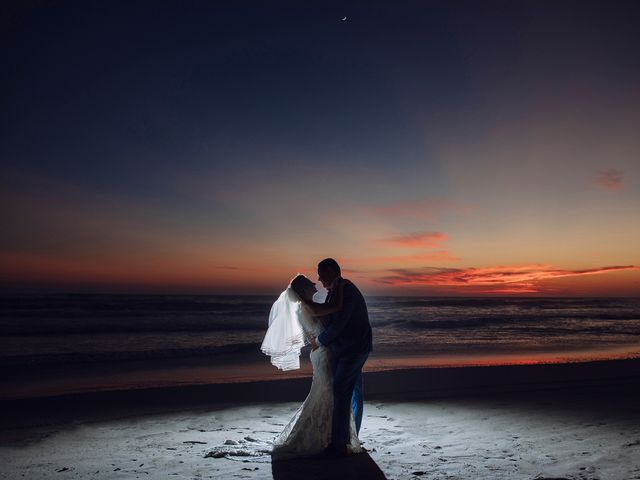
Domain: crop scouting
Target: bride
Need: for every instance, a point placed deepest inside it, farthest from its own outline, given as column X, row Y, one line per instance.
column 294, row 320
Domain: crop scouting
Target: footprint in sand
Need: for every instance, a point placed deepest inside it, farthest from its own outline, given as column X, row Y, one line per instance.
column 551, row 478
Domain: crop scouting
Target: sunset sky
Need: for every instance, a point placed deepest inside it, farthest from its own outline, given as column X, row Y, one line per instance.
column 436, row 148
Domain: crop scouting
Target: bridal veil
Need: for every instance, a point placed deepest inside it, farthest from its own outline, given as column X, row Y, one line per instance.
column 285, row 337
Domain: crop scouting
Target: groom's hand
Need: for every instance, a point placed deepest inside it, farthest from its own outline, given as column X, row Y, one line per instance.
column 314, row 345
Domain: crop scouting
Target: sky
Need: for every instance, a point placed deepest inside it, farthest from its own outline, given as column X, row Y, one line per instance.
column 432, row 148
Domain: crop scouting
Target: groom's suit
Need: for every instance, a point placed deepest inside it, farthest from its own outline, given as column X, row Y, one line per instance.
column 349, row 337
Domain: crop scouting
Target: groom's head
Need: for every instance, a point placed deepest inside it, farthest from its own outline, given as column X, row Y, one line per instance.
column 328, row 271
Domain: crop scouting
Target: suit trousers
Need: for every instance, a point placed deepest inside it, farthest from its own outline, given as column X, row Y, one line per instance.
column 348, row 372
column 357, row 402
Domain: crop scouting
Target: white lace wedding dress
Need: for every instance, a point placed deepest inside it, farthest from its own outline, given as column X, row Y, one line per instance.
column 309, row 430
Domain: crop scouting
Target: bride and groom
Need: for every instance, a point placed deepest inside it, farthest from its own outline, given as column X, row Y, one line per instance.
column 338, row 330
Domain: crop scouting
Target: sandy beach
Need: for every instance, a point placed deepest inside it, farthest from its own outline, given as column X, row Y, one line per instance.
column 523, row 422
column 196, row 196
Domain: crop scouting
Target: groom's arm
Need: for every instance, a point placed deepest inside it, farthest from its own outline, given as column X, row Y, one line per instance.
column 333, row 306
column 340, row 319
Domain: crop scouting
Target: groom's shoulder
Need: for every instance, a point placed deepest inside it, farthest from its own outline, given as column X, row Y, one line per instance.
column 351, row 289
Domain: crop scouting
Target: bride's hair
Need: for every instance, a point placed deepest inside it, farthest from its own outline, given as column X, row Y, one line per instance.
column 298, row 284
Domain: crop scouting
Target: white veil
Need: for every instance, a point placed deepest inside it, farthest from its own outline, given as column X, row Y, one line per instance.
column 285, row 337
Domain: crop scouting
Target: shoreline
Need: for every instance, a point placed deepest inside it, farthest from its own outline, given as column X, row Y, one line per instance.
column 390, row 385
column 18, row 382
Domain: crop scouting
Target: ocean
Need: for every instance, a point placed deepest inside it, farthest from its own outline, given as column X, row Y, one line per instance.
column 65, row 334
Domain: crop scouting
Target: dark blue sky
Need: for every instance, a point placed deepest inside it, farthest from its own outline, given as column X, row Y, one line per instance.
column 203, row 111
column 95, row 90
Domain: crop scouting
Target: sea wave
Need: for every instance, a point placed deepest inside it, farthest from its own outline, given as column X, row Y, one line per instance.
column 9, row 363
column 93, row 328
column 492, row 302
column 577, row 324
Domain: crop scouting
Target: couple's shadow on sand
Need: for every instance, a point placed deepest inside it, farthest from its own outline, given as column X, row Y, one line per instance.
column 350, row 467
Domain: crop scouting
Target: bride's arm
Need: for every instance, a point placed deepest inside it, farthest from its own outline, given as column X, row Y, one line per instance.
column 335, row 305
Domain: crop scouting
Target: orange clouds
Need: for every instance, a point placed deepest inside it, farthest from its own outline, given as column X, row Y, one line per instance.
column 609, row 179
column 515, row 279
column 417, row 240
column 71, row 236
column 414, row 240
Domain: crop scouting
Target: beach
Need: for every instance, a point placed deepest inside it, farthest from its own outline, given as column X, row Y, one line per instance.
column 573, row 421
column 195, row 193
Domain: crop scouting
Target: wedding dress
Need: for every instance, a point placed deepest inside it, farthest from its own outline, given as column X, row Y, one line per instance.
column 309, row 430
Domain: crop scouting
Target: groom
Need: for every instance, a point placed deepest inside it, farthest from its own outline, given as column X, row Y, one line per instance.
column 348, row 335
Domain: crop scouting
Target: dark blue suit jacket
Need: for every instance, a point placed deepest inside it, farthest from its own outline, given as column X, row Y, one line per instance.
column 349, row 330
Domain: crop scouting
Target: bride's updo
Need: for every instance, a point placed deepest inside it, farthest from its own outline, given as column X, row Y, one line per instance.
column 299, row 284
